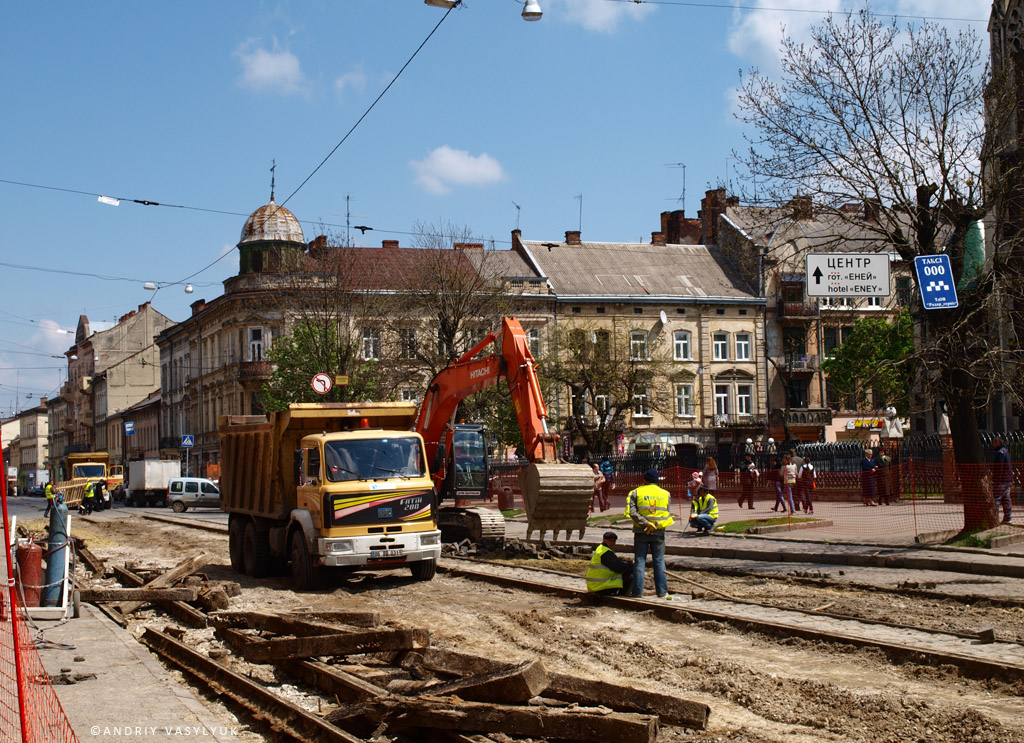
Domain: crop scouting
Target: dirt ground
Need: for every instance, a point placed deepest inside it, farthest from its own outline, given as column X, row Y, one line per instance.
column 758, row 688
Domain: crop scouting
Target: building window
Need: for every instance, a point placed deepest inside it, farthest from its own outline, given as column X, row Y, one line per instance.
column 371, row 344
column 407, row 343
column 681, row 345
column 602, row 340
column 744, row 399
column 721, row 399
column 874, row 302
column 641, row 404
column 638, row 345
column 638, row 310
column 797, row 393
column 601, row 406
column 533, row 340
column 720, row 347
column 255, row 344
column 743, row 346
column 444, row 348
column 903, row 292
column 684, row 400
column 410, row 394
column 579, row 403
column 830, row 337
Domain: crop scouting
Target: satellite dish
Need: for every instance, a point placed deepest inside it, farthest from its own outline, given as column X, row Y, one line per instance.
column 663, row 317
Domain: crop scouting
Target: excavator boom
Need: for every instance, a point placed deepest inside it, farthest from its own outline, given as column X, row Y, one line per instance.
column 557, row 495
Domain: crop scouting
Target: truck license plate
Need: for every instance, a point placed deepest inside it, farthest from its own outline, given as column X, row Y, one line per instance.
column 386, row 553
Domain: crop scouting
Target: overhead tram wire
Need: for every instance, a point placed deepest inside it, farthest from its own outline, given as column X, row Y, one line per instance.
column 730, row 6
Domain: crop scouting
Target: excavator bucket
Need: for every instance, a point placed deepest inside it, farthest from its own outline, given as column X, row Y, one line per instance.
column 557, row 497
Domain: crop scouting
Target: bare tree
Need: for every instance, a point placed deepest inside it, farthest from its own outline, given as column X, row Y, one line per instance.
column 610, row 373
column 871, row 113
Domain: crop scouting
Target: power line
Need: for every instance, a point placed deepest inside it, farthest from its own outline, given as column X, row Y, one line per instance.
column 730, row 6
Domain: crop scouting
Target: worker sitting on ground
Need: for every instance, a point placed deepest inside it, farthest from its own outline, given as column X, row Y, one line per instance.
column 608, row 574
column 88, row 499
column 704, row 512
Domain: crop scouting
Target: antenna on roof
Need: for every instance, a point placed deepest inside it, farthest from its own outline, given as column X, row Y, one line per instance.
column 682, row 196
column 580, row 197
column 517, row 213
column 273, row 167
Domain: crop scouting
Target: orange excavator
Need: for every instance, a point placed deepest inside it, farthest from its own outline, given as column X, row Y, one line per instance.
column 557, row 494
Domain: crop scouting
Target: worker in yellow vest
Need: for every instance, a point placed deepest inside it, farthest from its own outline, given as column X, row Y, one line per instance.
column 647, row 507
column 704, row 512
column 48, row 492
column 88, row 499
column 608, row 573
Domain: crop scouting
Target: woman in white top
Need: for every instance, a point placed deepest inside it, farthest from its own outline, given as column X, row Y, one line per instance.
column 710, row 475
column 787, row 479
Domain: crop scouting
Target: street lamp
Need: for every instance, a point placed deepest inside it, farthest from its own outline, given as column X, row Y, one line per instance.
column 531, row 8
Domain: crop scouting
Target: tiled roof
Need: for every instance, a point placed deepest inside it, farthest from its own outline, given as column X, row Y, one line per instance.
column 637, row 270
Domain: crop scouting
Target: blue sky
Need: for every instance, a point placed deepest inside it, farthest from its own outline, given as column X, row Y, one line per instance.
column 188, row 104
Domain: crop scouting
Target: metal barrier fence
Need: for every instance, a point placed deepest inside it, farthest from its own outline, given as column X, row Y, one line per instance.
column 914, row 499
column 30, row 711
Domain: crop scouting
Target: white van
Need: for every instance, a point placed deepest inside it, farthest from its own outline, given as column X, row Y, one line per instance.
column 190, row 492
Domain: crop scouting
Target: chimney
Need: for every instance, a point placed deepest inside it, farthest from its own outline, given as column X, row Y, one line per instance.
column 572, row 237
column 803, row 209
column 468, row 246
column 393, row 244
column 198, row 306
column 657, row 238
column 872, row 209
column 712, row 206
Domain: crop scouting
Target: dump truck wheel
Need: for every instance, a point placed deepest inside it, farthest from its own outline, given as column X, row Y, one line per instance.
column 236, row 535
column 179, row 507
column 423, row 569
column 256, row 552
column 305, row 571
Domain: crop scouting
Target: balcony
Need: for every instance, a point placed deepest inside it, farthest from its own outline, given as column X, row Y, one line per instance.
column 738, row 421
column 797, row 363
column 253, row 371
column 67, row 392
column 796, row 417
column 802, row 310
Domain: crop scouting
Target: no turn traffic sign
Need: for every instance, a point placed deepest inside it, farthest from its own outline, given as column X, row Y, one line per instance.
column 322, row 383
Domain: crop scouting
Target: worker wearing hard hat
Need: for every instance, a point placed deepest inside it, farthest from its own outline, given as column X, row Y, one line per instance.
column 647, row 506
column 608, row 573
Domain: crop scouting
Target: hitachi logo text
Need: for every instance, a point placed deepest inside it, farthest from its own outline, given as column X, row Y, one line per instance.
column 478, row 373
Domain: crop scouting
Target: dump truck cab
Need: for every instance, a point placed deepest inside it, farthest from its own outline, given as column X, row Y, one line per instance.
column 370, row 493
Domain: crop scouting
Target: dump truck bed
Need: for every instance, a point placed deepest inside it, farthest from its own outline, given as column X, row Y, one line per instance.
column 257, row 451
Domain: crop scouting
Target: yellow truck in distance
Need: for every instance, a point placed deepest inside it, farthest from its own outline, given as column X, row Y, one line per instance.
column 81, row 468
column 328, row 486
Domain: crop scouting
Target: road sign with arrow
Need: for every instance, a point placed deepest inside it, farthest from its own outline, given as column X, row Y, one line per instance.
column 848, row 275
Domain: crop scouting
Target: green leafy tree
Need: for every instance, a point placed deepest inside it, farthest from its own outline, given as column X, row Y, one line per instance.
column 877, row 356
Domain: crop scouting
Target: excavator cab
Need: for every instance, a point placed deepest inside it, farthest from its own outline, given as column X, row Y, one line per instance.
column 466, row 466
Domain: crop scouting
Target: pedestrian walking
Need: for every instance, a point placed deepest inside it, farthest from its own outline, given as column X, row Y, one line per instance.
column 785, row 485
column 748, row 474
column 1002, row 478
column 599, row 495
column 710, row 474
column 647, row 507
column 882, row 476
column 806, row 481
column 868, row 470
column 608, row 472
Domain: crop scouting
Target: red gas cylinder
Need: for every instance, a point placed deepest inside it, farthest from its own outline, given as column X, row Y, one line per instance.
column 506, row 498
column 30, row 572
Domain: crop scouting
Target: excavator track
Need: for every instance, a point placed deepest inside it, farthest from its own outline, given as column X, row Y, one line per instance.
column 557, row 497
column 475, row 524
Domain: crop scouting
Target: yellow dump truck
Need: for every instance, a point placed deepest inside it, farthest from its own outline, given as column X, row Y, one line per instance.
column 322, row 486
column 81, row 468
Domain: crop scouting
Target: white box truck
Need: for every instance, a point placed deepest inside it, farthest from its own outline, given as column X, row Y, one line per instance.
column 147, row 481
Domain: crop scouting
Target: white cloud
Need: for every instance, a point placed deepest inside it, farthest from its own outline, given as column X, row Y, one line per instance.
column 597, row 15
column 52, row 338
column 273, row 70
column 756, row 35
column 445, row 167
column 970, row 9
column 354, row 80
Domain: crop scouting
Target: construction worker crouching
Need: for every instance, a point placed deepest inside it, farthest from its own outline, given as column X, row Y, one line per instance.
column 704, row 512
column 88, row 499
column 647, row 507
column 608, row 573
